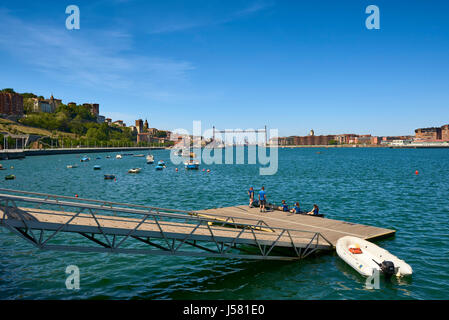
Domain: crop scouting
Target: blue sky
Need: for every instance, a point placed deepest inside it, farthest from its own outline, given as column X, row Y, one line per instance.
column 290, row 65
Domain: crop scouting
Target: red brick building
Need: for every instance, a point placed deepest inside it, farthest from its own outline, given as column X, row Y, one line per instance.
column 433, row 133
column 310, row 140
column 11, row 103
column 148, row 137
column 445, row 132
column 376, row 140
column 345, row 138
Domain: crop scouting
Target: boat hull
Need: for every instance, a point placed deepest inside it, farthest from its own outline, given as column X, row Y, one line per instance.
column 371, row 255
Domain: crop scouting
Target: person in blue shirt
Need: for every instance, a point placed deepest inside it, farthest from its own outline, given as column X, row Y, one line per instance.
column 284, row 206
column 314, row 211
column 262, row 199
column 296, row 208
column 251, row 196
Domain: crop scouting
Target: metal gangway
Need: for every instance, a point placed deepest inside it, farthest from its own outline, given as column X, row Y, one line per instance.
column 54, row 222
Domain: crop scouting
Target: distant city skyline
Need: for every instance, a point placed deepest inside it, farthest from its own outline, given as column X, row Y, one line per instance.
column 293, row 66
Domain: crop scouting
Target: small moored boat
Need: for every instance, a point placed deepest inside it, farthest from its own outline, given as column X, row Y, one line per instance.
column 160, row 165
column 109, row 177
column 119, row 156
column 366, row 257
column 97, row 167
column 134, row 170
column 70, row 166
column 10, row 177
column 192, row 165
column 84, row 159
column 150, row 159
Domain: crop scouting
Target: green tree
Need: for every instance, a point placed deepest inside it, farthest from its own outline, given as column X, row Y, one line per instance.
column 161, row 134
column 28, row 105
column 27, row 95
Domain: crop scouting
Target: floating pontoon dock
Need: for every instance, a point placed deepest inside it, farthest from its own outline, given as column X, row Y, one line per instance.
column 331, row 229
column 52, row 222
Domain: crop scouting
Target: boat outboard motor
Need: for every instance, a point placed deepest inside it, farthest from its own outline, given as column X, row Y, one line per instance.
column 387, row 268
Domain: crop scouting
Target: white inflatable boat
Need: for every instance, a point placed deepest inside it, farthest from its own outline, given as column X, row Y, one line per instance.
column 365, row 257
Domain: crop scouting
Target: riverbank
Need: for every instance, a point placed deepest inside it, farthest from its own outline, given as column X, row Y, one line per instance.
column 19, row 154
column 338, row 146
column 406, row 146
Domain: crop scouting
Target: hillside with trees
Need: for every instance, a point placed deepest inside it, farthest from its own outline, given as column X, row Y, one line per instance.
column 68, row 126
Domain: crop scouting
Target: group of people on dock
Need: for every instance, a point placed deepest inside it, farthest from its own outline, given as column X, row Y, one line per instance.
column 262, row 203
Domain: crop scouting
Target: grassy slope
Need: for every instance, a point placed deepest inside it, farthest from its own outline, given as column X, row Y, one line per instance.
column 9, row 126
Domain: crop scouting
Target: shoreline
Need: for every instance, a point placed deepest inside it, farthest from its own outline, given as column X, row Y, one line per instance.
column 369, row 146
column 10, row 154
column 335, row 146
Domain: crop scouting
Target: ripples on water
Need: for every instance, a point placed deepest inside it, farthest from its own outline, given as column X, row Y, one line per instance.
column 370, row 186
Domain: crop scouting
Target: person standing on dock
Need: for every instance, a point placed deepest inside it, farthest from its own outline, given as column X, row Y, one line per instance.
column 251, row 196
column 262, row 199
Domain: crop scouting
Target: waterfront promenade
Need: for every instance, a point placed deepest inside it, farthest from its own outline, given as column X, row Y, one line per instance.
column 22, row 153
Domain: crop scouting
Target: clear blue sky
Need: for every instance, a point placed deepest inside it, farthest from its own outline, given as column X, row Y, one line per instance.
column 292, row 65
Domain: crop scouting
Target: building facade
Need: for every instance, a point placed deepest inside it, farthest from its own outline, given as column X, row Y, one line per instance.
column 119, row 123
column 139, row 126
column 433, row 133
column 41, row 106
column 46, row 105
column 445, row 132
column 11, row 103
column 363, row 139
column 100, row 119
column 94, row 108
column 147, row 137
column 346, row 138
column 152, row 131
column 310, row 140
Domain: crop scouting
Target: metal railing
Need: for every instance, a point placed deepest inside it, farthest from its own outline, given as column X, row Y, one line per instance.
column 167, row 230
column 219, row 219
